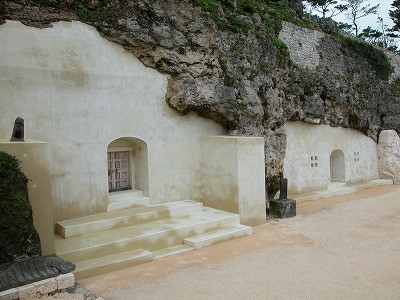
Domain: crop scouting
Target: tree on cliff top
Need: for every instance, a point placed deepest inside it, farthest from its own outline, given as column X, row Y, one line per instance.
column 356, row 11
column 328, row 8
column 395, row 15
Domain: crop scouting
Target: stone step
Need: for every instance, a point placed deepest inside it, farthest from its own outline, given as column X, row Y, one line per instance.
column 128, row 203
column 111, row 263
column 124, row 195
column 338, row 190
column 165, row 252
column 151, row 236
column 126, row 199
column 218, row 236
column 125, row 217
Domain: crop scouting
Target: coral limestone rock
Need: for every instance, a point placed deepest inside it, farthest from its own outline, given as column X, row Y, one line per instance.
column 389, row 155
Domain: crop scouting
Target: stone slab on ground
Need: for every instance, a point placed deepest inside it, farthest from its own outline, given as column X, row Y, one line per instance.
column 282, row 208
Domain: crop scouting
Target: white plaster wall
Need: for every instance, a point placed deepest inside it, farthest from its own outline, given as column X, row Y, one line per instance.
column 80, row 92
column 251, row 178
column 233, row 176
column 305, row 141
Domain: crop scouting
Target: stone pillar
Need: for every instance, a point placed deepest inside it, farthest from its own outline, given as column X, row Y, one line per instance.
column 283, row 207
column 35, row 163
column 233, row 176
column 389, row 155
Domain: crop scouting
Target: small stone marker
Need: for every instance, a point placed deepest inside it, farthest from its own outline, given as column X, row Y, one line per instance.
column 283, row 191
column 18, row 131
column 283, row 207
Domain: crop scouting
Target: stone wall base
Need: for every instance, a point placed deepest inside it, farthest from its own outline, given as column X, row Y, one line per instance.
column 37, row 289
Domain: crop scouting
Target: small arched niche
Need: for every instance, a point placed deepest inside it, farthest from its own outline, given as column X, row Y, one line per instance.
column 127, row 160
column 337, row 166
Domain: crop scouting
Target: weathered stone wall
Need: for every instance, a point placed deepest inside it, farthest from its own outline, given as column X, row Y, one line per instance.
column 306, row 50
column 303, row 45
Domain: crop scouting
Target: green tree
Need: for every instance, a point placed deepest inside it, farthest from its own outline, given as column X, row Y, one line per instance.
column 395, row 15
column 381, row 38
column 358, row 9
column 371, row 35
column 328, row 8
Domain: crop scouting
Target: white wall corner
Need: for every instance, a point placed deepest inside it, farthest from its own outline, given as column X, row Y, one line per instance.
column 233, row 176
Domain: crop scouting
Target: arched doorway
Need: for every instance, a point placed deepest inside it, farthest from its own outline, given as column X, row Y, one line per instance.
column 337, row 166
column 127, row 160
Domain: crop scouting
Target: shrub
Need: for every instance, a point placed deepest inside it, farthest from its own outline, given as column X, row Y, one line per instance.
column 375, row 57
column 17, row 233
column 283, row 49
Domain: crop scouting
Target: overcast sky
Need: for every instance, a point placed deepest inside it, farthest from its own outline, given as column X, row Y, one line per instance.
column 384, row 7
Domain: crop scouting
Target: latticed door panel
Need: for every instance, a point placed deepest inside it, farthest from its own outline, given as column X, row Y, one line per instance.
column 118, row 171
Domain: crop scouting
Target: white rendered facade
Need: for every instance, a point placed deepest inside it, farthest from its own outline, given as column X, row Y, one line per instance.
column 85, row 96
column 317, row 155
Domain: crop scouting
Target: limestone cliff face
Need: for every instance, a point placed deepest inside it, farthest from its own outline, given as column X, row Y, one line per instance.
column 229, row 64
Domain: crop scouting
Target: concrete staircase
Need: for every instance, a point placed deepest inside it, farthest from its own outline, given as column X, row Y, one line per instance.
column 134, row 233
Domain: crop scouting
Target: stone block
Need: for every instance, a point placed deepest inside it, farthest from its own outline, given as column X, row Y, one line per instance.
column 27, row 292
column 389, row 155
column 46, row 286
column 283, row 208
column 65, row 281
column 10, row 294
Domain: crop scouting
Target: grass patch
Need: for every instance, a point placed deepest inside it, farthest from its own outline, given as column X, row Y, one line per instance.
column 236, row 16
column 226, row 13
column 283, row 50
column 376, row 58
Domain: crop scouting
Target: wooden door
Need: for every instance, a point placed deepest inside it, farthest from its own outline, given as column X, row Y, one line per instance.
column 118, row 171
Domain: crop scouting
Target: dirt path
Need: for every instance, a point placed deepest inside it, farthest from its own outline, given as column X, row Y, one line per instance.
column 336, row 248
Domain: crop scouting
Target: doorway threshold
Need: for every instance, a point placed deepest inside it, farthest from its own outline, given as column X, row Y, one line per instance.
column 126, row 199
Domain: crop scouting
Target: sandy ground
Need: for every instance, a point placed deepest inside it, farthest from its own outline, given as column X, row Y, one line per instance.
column 344, row 247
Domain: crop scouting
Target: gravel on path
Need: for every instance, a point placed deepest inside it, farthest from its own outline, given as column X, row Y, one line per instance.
column 343, row 247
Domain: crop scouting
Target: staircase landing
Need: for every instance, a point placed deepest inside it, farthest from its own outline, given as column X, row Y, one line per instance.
column 126, row 199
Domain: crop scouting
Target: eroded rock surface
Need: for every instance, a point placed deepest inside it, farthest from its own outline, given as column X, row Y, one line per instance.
column 233, row 69
column 389, row 155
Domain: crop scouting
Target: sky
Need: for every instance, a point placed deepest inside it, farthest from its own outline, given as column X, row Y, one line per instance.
column 384, row 7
